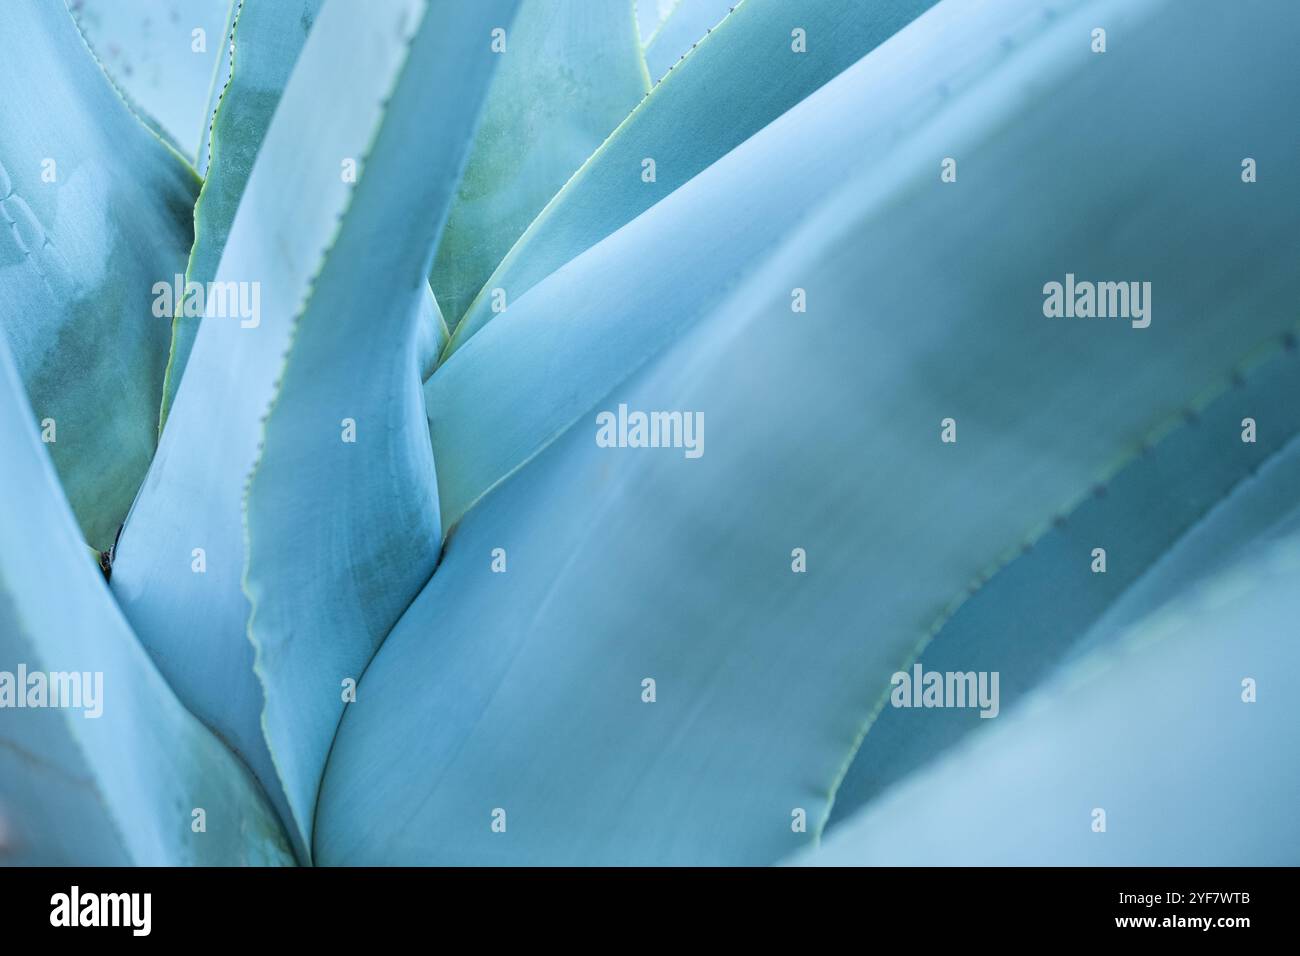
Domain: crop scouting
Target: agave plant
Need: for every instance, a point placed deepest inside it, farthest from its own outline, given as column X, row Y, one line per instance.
column 356, row 364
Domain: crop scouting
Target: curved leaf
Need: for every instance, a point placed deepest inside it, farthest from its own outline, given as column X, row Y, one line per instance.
column 342, row 507
column 116, row 779
column 527, row 377
column 649, row 14
column 571, row 71
column 93, row 211
column 188, row 515
column 1154, row 731
column 1047, row 605
column 739, row 79
column 221, row 77
column 162, row 53
column 432, row 334
column 265, row 40
column 645, row 563
column 686, row 25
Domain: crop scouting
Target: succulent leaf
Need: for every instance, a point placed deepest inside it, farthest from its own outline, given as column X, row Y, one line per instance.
column 162, row 54
column 741, row 77
column 1152, row 729
column 571, row 71
column 522, row 690
column 114, row 775
column 688, row 22
column 94, row 210
column 290, row 219
column 263, row 43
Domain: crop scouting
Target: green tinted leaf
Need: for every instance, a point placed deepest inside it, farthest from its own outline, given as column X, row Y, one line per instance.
column 288, row 220
column 265, row 41
column 115, row 780
column 571, row 71
column 94, row 210
column 739, row 79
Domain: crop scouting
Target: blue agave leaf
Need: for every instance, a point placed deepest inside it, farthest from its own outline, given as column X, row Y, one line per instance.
column 432, row 335
column 93, row 211
column 482, row 425
column 649, row 14
column 743, row 76
column 153, row 53
column 522, row 691
column 288, row 220
column 570, row 72
column 116, row 781
column 1266, row 508
column 221, row 77
column 1153, row 729
column 342, row 509
column 685, row 25
column 1048, row 606
column 264, row 41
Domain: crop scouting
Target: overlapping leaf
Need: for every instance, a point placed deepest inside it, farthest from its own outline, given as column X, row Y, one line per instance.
column 687, row 23
column 1185, row 725
column 743, row 76
column 571, row 71
column 121, row 772
column 162, row 54
column 342, row 510
column 1048, row 604
column 648, row 564
column 94, row 210
column 180, row 561
column 649, row 14
column 264, row 42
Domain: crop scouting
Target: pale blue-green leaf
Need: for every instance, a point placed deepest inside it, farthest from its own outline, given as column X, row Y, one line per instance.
column 265, row 40
column 651, row 13
column 161, row 53
column 1047, row 605
column 113, row 779
column 631, row 564
column 688, row 23
column 571, row 71
column 1265, row 508
column 217, row 88
column 740, row 78
column 194, row 624
column 1153, row 729
column 342, row 507
column 94, row 210
column 432, row 335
